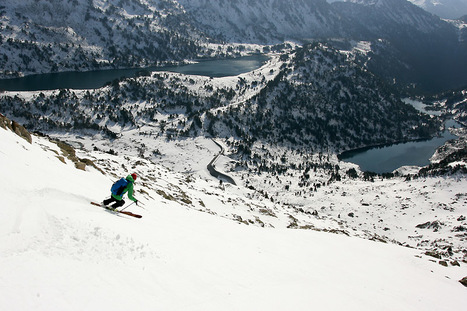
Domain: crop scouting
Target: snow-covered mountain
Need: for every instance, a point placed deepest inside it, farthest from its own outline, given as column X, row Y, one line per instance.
column 413, row 46
column 410, row 44
column 60, row 252
column 266, row 21
column 283, row 218
column 451, row 9
column 49, row 35
column 384, row 17
column 314, row 98
column 280, row 170
column 53, row 35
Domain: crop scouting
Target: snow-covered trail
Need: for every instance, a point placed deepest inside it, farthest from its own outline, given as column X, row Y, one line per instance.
column 58, row 252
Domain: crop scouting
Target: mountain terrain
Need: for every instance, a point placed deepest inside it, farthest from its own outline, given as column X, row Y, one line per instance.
column 202, row 245
column 277, row 139
column 266, row 21
column 450, row 9
column 52, row 35
column 409, row 45
column 314, row 98
column 244, row 201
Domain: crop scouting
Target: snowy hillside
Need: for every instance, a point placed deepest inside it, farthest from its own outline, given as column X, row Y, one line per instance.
column 61, row 253
column 450, row 9
column 53, row 35
column 284, row 177
column 266, row 21
column 312, row 98
column 411, row 40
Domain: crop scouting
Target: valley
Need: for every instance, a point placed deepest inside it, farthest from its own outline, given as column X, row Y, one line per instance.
column 234, row 116
column 285, row 178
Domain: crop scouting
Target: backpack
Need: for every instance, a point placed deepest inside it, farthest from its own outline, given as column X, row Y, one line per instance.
column 119, row 186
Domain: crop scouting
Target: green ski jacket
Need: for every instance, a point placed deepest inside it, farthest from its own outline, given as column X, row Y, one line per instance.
column 128, row 188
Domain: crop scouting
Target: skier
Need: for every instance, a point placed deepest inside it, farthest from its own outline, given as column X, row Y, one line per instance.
column 119, row 188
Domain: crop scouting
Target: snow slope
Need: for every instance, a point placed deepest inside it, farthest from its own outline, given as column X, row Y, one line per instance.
column 58, row 252
column 450, row 9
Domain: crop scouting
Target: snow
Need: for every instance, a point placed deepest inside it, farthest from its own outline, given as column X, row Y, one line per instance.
column 450, row 9
column 58, row 252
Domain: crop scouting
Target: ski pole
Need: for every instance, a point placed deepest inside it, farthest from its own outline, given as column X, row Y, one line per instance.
column 127, row 206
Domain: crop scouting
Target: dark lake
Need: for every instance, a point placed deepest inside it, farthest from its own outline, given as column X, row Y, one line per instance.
column 386, row 159
column 389, row 158
column 97, row 79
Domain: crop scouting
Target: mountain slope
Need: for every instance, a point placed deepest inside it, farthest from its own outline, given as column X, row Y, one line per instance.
column 411, row 46
column 320, row 99
column 53, row 35
column 60, row 251
column 431, row 50
column 266, row 21
column 313, row 98
column 283, row 173
column 451, row 9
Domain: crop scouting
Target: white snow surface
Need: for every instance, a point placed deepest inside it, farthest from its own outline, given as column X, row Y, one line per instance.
column 58, row 252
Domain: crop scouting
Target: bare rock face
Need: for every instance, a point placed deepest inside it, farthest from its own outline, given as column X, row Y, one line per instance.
column 5, row 122
column 15, row 127
column 21, row 131
column 464, row 281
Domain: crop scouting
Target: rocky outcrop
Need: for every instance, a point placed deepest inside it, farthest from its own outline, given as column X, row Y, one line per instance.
column 15, row 127
column 69, row 152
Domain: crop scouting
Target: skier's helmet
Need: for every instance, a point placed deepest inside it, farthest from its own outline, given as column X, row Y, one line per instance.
column 134, row 176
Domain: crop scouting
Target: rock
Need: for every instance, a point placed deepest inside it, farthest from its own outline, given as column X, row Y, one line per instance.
column 351, row 215
column 21, row 131
column 15, row 127
column 5, row 122
column 443, row 263
column 464, row 281
column 67, row 151
column 449, row 250
column 433, row 254
column 62, row 159
column 455, row 263
column 435, row 225
column 80, row 166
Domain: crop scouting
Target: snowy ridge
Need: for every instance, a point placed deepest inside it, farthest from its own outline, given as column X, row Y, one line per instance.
column 58, row 250
column 450, row 9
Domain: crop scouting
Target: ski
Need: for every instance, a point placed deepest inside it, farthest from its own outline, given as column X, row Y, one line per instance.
column 117, row 211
